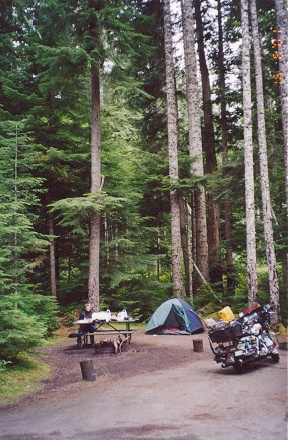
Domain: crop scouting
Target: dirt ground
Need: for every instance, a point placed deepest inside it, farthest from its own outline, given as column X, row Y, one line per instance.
column 145, row 354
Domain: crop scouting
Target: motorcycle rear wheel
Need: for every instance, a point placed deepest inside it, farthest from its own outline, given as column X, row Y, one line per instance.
column 275, row 357
column 238, row 367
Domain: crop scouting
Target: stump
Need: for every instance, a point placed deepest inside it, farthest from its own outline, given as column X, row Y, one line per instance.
column 198, row 345
column 87, row 369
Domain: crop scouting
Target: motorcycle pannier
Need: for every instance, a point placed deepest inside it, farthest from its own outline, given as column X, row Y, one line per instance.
column 221, row 332
column 224, row 332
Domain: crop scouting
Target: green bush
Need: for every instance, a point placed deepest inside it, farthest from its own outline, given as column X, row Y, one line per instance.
column 43, row 307
column 3, row 365
column 25, row 321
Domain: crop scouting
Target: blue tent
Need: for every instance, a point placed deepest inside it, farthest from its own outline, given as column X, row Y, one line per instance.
column 174, row 316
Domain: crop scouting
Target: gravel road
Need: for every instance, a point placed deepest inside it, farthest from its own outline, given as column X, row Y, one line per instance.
column 192, row 399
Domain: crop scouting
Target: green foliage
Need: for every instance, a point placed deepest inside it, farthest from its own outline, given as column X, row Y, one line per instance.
column 206, row 295
column 75, row 210
column 140, row 297
column 21, row 246
column 4, row 364
column 70, row 312
column 25, row 321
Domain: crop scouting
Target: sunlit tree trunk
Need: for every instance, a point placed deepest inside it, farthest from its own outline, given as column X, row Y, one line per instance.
column 281, row 36
column 177, row 275
column 94, row 243
column 264, row 176
column 248, row 158
column 195, row 140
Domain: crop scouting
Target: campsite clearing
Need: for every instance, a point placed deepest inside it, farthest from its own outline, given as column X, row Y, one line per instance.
column 159, row 389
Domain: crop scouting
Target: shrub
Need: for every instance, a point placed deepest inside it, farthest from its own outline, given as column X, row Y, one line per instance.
column 24, row 322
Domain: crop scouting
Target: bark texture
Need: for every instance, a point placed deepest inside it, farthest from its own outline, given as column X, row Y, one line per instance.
column 94, row 242
column 264, row 176
column 282, row 43
column 248, row 158
column 172, row 121
column 195, row 140
column 282, row 37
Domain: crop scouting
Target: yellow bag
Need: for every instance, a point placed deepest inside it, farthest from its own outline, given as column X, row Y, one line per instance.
column 226, row 314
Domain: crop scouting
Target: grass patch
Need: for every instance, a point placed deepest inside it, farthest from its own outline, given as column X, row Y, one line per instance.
column 21, row 379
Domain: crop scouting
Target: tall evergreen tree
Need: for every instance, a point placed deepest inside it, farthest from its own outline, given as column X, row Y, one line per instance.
column 195, row 142
column 281, row 43
column 172, row 116
column 248, row 158
column 22, row 248
column 94, row 242
column 264, row 176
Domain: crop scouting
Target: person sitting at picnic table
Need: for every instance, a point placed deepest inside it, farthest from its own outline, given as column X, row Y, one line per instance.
column 90, row 327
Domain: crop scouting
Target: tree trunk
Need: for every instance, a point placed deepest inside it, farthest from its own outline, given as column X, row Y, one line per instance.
column 190, row 240
column 106, row 235
column 185, row 241
column 248, row 159
column 52, row 256
column 282, row 45
column 195, row 140
column 230, row 287
column 213, row 223
column 94, row 243
column 177, row 275
column 264, row 176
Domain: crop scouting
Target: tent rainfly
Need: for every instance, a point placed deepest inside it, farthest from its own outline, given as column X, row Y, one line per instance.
column 174, row 316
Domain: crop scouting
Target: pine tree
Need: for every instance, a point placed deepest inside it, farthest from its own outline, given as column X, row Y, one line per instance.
column 281, row 78
column 264, row 176
column 22, row 248
column 195, row 142
column 248, row 158
column 172, row 115
column 281, row 43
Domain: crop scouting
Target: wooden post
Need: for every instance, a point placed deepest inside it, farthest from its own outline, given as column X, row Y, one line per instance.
column 198, row 345
column 87, row 369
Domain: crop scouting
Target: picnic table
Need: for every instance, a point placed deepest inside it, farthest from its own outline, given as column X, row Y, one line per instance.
column 115, row 329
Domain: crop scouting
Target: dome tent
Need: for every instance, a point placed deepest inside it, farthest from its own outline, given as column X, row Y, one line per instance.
column 174, row 316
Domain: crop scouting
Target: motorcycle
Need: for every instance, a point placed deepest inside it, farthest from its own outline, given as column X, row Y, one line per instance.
column 245, row 339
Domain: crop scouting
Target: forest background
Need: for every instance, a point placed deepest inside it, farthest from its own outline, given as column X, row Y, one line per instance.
column 93, row 163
